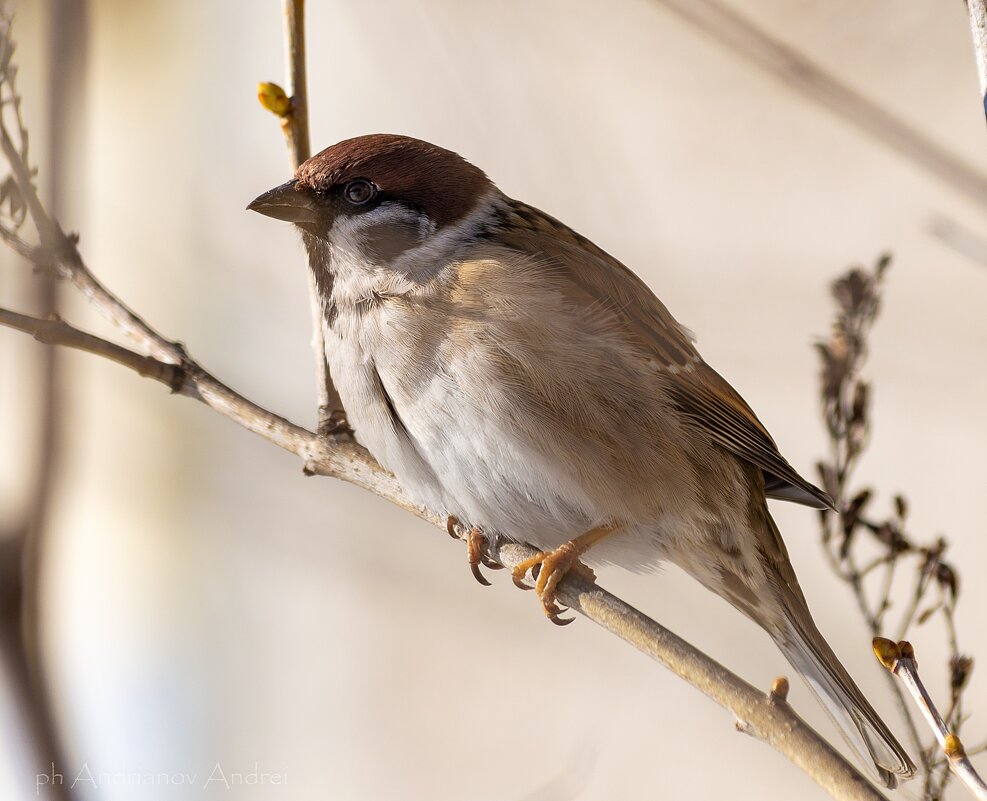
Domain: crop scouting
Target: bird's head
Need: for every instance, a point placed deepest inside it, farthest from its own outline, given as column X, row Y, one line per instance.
column 377, row 196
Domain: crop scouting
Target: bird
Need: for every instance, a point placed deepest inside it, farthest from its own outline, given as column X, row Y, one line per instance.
column 523, row 382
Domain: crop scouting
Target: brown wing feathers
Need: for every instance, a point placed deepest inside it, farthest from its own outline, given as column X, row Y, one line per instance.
column 699, row 391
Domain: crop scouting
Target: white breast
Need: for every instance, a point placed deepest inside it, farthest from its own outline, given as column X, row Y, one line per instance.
column 356, row 341
column 431, row 411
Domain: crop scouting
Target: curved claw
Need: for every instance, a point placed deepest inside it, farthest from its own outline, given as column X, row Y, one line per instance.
column 554, row 613
column 521, row 569
column 475, row 570
column 475, row 543
column 518, row 579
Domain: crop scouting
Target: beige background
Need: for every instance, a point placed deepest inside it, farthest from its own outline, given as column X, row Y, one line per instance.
column 210, row 605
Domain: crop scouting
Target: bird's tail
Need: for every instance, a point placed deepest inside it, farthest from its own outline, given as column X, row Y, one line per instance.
column 811, row 656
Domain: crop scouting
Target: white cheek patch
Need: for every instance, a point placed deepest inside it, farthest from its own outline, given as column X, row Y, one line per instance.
column 382, row 234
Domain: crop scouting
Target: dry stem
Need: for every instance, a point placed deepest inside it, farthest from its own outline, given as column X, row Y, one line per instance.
column 846, row 411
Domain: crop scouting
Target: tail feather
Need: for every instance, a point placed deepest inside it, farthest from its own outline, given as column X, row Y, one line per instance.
column 829, row 681
column 761, row 582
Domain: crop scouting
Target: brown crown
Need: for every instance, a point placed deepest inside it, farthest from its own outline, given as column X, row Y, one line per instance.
column 441, row 183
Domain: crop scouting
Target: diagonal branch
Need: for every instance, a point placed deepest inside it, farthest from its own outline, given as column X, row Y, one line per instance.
column 57, row 332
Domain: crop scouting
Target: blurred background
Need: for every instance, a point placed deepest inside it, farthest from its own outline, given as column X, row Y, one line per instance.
column 205, row 605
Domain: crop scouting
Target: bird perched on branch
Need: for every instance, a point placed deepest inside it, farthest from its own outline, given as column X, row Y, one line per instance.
column 516, row 377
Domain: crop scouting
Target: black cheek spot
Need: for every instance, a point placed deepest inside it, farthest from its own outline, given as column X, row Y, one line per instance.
column 387, row 241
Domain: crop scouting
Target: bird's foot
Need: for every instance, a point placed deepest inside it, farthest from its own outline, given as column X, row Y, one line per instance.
column 548, row 569
column 476, row 543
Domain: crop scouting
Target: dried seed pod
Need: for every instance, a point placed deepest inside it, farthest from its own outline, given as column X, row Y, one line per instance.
column 960, row 667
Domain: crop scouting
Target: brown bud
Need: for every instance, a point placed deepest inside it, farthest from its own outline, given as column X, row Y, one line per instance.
column 887, row 652
column 273, row 98
column 779, row 690
column 954, row 748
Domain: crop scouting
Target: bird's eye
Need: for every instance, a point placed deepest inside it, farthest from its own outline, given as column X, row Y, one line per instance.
column 359, row 192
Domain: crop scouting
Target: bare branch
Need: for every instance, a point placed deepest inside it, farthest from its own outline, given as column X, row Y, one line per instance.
column 296, row 121
column 56, row 332
column 899, row 659
column 767, row 716
column 292, row 110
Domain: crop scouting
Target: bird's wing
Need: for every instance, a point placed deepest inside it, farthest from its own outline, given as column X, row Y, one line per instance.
column 700, row 393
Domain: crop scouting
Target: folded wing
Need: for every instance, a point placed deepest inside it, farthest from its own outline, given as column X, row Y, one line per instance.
column 700, row 393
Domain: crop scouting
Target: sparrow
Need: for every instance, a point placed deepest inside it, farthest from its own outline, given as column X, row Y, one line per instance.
column 522, row 381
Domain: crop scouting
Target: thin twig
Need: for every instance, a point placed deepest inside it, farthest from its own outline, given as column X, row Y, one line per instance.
column 899, row 659
column 56, row 332
column 294, row 123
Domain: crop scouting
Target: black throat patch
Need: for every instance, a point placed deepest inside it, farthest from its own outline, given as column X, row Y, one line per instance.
column 319, row 257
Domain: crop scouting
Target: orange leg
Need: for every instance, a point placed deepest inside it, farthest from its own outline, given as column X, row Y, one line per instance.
column 475, row 543
column 550, row 568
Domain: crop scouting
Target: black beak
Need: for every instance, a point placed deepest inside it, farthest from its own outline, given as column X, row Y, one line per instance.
column 288, row 202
